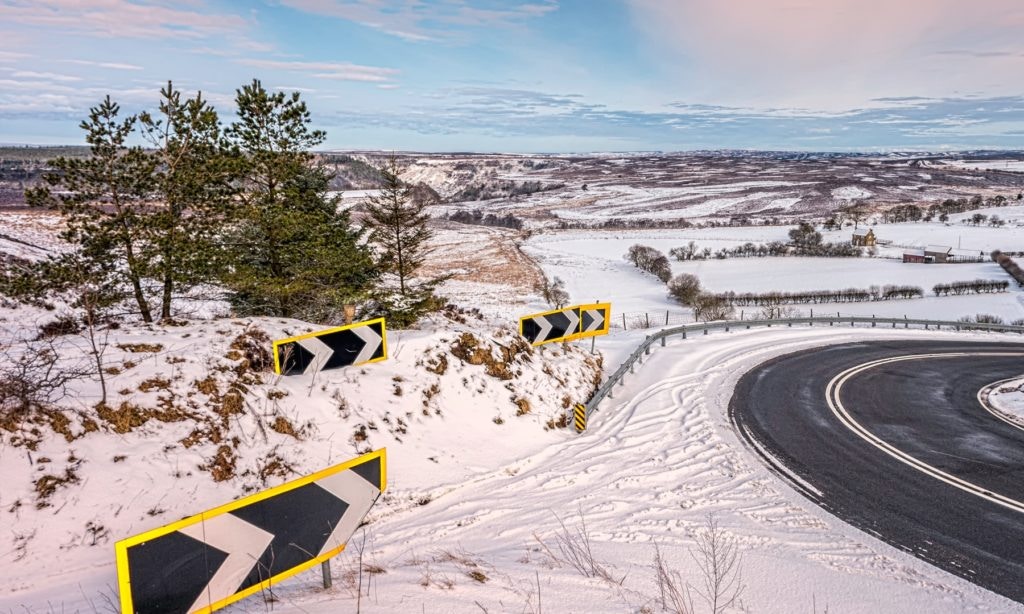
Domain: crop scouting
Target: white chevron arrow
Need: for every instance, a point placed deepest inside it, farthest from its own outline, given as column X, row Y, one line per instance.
column 359, row 494
column 371, row 341
column 243, row 542
column 574, row 322
column 321, row 353
column 596, row 320
column 545, row 329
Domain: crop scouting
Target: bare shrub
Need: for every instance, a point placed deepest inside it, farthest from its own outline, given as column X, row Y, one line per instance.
column 718, row 558
column 575, row 549
column 553, row 292
column 673, row 593
column 711, row 307
column 32, row 380
column 684, row 288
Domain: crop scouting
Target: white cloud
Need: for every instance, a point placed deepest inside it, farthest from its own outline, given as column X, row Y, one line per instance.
column 119, row 18
column 341, row 71
column 110, row 65
column 50, row 76
column 427, row 20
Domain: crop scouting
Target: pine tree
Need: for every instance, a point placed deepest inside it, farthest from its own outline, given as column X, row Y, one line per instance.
column 193, row 178
column 292, row 253
column 398, row 229
column 103, row 199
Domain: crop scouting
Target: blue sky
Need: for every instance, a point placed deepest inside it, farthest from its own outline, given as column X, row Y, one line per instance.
column 541, row 75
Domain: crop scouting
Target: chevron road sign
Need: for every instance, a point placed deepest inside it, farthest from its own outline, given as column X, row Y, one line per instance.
column 594, row 319
column 566, row 324
column 203, row 563
column 558, row 325
column 343, row 346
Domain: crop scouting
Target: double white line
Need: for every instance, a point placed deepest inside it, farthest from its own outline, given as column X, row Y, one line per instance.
column 835, row 404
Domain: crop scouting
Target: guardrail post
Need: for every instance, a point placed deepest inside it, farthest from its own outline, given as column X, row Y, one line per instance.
column 684, row 334
column 748, row 327
column 790, row 324
column 851, row 323
column 830, row 322
column 705, row 329
column 662, row 342
column 926, row 326
column 726, row 328
column 872, row 320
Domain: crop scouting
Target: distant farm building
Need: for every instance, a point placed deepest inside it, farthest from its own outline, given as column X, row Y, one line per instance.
column 864, row 239
column 915, row 255
column 928, row 255
column 938, row 253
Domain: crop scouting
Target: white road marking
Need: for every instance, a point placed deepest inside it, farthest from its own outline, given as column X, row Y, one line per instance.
column 834, row 403
column 983, row 395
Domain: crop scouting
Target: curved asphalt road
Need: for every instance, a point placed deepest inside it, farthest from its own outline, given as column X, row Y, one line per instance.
column 926, row 412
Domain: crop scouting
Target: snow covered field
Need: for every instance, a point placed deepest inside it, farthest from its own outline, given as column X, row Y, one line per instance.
column 589, row 260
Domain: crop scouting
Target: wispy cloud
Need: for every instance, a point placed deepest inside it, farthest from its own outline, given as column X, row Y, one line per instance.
column 110, row 65
column 340, row 71
column 426, row 20
column 28, row 74
column 120, row 18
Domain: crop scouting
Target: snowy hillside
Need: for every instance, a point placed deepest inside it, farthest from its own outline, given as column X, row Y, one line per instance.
column 194, row 419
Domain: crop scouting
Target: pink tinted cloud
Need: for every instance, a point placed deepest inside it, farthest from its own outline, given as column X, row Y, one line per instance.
column 119, row 18
column 836, row 53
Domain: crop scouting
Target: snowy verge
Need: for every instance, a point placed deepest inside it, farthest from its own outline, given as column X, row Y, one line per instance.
column 1008, row 397
column 193, row 419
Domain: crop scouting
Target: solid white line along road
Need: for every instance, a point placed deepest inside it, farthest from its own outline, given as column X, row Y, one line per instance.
column 835, row 404
column 983, row 396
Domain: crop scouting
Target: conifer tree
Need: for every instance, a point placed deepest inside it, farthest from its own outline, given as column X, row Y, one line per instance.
column 193, row 173
column 104, row 199
column 397, row 225
column 292, row 253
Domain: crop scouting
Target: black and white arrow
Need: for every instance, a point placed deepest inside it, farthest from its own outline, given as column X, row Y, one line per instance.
column 554, row 326
column 333, row 348
column 321, row 354
column 218, row 557
column 593, row 320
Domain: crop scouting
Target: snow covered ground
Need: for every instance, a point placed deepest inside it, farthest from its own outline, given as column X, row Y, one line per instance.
column 1008, row 397
column 478, row 489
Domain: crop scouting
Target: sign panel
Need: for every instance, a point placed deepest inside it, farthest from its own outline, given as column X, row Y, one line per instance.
column 342, row 346
column 595, row 319
column 205, row 562
column 557, row 325
column 566, row 324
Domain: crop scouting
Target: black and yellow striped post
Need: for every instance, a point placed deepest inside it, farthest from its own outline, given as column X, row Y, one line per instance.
column 579, row 414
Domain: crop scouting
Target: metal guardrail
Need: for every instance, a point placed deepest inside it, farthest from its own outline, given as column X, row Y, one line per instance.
column 605, row 391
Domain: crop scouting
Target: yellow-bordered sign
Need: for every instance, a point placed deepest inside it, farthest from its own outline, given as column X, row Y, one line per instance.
column 595, row 319
column 566, row 324
column 215, row 558
column 341, row 346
